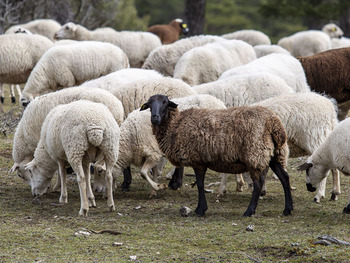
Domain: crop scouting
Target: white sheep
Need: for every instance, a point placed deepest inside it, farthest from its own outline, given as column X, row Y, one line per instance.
column 251, row 36
column 136, row 44
column 121, row 77
column 263, row 50
column 282, row 65
column 72, row 64
column 333, row 153
column 308, row 119
column 27, row 133
column 164, row 58
column 77, row 133
column 218, row 56
column 139, row 147
column 19, row 53
column 245, row 89
column 44, row 27
column 132, row 94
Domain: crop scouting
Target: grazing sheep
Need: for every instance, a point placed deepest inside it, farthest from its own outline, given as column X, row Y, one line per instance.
column 333, row 153
column 132, row 94
column 27, row 133
column 70, row 65
column 263, row 50
column 308, row 119
column 77, row 133
column 121, row 77
column 44, row 27
column 136, row 45
column 233, row 140
column 139, row 147
column 251, row 36
column 164, row 58
column 218, row 57
column 329, row 72
column 282, row 65
column 19, row 53
column 245, row 89
column 306, row 43
column 170, row 33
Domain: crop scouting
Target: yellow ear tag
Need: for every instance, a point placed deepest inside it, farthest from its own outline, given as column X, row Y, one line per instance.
column 334, row 29
column 184, row 25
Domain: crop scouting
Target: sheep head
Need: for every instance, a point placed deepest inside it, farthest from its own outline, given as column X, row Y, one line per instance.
column 315, row 173
column 159, row 105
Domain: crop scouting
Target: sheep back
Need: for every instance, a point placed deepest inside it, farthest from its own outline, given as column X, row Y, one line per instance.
column 223, row 140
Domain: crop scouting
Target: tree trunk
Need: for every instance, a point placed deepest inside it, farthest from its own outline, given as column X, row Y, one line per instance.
column 194, row 16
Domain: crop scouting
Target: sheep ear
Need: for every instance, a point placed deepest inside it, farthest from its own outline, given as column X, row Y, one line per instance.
column 144, row 106
column 29, row 166
column 305, row 166
column 172, row 104
column 14, row 168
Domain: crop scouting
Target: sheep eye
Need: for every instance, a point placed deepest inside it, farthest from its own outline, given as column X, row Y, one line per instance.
column 20, row 176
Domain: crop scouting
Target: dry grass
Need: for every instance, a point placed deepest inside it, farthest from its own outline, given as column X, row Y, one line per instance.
column 157, row 233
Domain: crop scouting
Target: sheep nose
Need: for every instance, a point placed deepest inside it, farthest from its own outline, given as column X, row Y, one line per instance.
column 155, row 119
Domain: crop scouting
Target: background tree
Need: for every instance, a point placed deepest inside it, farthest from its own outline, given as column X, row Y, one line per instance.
column 195, row 16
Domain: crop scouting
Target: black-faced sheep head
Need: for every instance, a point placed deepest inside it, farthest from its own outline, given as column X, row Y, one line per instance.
column 159, row 105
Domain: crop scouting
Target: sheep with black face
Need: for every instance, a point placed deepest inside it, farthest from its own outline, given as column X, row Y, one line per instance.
column 231, row 140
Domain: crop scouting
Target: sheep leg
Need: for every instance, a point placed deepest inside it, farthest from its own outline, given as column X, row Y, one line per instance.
column 223, row 183
column 84, row 204
column 2, row 97
column 284, row 178
column 62, row 176
column 109, row 183
column 176, row 180
column 336, row 185
column 202, row 202
column 258, row 181
column 89, row 193
column 321, row 190
column 57, row 186
column 127, row 179
column 144, row 173
column 170, row 174
column 12, row 93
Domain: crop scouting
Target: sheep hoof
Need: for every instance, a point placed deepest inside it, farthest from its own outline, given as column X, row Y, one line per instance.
column 287, row 211
column 125, row 187
column 13, row 99
column 92, row 202
column 111, row 208
column 162, row 186
column 83, row 212
column 334, row 197
column 346, row 210
column 200, row 211
column 63, row 200
column 174, row 185
column 316, row 200
column 263, row 193
column 248, row 213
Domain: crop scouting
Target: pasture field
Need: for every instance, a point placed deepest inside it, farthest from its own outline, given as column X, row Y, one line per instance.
column 152, row 229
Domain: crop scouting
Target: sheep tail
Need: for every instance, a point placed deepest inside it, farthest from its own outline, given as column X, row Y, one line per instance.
column 279, row 137
column 95, row 135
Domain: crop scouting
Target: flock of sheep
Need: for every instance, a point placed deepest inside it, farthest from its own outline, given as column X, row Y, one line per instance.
column 233, row 103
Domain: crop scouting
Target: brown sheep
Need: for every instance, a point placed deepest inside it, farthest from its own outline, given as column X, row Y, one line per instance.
column 329, row 72
column 233, row 140
column 171, row 32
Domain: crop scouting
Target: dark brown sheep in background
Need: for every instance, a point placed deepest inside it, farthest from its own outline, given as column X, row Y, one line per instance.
column 233, row 140
column 328, row 72
column 171, row 32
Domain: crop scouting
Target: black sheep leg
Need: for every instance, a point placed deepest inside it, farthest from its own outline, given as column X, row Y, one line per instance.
column 127, row 179
column 202, row 202
column 284, row 178
column 258, row 181
column 176, row 179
